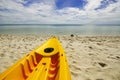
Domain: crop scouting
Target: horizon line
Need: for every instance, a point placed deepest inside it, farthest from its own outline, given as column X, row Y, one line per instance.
column 64, row 24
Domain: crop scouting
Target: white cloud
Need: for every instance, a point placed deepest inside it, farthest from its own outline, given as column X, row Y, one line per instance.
column 44, row 12
column 92, row 4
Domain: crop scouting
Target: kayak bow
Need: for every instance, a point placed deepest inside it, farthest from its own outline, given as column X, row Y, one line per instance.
column 47, row 62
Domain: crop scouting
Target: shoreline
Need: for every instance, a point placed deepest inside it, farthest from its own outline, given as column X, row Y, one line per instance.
column 89, row 57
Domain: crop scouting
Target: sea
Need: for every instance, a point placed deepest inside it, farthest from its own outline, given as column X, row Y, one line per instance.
column 60, row 29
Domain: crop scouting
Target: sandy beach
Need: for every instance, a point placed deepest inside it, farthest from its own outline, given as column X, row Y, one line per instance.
column 89, row 57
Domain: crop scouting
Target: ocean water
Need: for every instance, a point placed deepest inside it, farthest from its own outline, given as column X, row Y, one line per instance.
column 60, row 29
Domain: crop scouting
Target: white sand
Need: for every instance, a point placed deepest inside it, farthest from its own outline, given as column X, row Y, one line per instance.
column 89, row 57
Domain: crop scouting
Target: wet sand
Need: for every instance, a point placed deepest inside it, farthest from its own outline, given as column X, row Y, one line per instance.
column 89, row 57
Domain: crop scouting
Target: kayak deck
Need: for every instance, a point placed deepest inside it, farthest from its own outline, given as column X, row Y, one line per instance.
column 47, row 62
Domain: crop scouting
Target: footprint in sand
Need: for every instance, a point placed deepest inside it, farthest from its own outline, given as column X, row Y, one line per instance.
column 75, row 68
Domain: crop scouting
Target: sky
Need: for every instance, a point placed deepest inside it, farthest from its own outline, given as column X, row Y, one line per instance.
column 59, row 11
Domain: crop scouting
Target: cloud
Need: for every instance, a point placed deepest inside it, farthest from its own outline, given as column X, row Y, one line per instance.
column 92, row 4
column 46, row 12
column 105, row 3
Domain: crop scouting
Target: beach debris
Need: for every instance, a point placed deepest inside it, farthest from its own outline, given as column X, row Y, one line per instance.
column 117, row 57
column 102, row 64
column 90, row 47
column 72, row 35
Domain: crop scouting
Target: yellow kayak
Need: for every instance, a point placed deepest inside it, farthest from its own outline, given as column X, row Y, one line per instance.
column 47, row 62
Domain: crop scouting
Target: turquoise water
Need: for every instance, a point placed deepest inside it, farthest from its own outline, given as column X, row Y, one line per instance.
column 61, row 29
